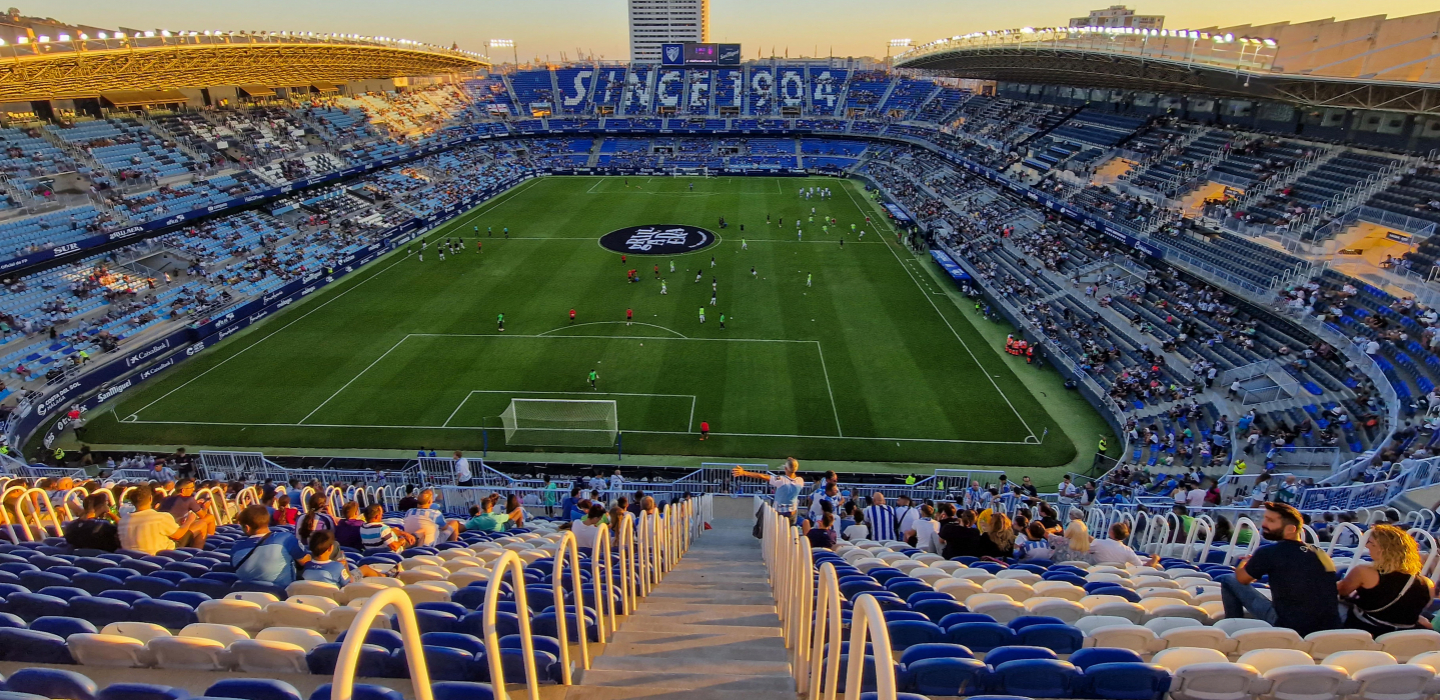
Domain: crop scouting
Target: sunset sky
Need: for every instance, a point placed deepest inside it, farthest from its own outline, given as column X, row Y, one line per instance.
column 545, row 28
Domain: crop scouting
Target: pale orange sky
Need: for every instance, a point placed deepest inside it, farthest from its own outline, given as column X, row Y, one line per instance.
column 544, row 28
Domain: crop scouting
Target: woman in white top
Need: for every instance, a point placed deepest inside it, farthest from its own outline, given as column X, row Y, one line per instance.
column 858, row 531
column 926, row 531
column 588, row 528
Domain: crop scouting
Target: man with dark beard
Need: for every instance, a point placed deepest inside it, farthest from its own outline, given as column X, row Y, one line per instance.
column 1302, row 578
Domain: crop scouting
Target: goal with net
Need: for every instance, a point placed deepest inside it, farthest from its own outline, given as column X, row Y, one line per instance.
column 560, row 422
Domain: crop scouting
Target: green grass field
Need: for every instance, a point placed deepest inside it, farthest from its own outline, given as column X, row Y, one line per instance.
column 874, row 362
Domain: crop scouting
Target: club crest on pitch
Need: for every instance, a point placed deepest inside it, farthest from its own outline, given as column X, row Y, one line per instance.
column 658, row 239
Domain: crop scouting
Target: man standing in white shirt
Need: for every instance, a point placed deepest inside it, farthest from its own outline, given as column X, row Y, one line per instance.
column 1068, row 492
column 906, row 515
column 1195, row 497
column 463, row 477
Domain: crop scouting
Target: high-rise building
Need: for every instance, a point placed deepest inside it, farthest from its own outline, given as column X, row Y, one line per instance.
column 1119, row 16
column 657, row 22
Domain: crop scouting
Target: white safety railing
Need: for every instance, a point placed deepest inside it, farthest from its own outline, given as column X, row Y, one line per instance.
column 809, row 624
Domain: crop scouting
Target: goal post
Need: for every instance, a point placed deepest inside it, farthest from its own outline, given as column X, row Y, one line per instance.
column 560, row 422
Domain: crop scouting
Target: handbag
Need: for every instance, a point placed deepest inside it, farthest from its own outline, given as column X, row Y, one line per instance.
column 1366, row 616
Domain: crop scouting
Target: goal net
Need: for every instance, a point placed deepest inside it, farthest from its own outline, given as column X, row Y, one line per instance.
column 560, row 422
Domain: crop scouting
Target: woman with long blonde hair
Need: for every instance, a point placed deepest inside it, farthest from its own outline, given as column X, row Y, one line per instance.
column 1387, row 594
column 999, row 539
column 1074, row 545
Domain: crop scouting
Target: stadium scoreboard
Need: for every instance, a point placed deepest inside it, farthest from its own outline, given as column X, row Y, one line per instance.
column 698, row 54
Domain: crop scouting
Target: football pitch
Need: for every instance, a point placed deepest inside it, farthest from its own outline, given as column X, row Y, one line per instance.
column 841, row 352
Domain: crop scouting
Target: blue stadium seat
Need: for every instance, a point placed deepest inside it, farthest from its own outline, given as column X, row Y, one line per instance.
column 454, row 640
column 30, row 646
column 129, row 597
column 432, row 621
column 980, row 636
column 390, row 640
column 362, row 691
column 505, row 623
column 52, row 683
column 1126, row 681
column 455, row 609
column 374, row 660
column 454, row 690
column 1037, row 678
column 97, row 583
column 512, row 661
column 1015, row 652
column 1061, row 639
column 100, row 611
column 946, row 676
column 166, row 613
column 32, row 605
column 63, row 627
column 1085, row 658
column 444, row 663
column 940, row 650
column 142, row 691
column 538, row 642
column 907, row 633
column 1024, row 621
column 959, row 618
column 190, row 598
column 936, row 609
column 153, row 586
column 208, row 586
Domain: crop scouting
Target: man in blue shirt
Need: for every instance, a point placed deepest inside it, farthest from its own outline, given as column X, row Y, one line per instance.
column 265, row 555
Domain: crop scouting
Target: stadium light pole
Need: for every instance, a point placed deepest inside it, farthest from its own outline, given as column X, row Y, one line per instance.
column 503, row 44
column 895, row 44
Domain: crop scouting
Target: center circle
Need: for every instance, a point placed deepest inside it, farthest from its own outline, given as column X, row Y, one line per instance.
column 658, row 239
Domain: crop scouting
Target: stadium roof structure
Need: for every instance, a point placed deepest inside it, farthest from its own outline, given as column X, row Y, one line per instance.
column 83, row 67
column 1214, row 63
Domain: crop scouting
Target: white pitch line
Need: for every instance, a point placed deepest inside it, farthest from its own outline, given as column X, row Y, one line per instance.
column 833, row 408
column 605, row 337
column 446, row 424
column 638, row 432
column 276, row 332
column 616, row 323
column 357, row 376
column 948, row 324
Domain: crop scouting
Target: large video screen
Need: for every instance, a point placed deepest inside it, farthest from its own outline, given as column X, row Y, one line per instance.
column 700, row 54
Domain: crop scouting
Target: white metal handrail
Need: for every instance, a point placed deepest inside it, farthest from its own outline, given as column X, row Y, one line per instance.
column 342, row 686
column 788, row 558
column 568, row 546
column 509, row 562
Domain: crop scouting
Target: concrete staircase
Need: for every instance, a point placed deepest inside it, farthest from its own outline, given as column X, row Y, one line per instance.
column 708, row 632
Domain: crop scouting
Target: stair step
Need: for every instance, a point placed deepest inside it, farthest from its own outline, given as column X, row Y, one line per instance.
column 621, row 692
column 690, row 642
column 724, row 668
